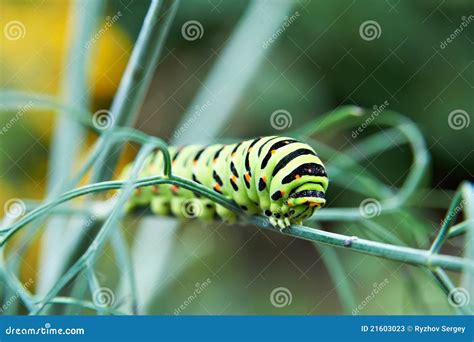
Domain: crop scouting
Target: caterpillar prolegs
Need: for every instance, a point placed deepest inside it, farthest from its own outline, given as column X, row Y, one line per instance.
column 278, row 177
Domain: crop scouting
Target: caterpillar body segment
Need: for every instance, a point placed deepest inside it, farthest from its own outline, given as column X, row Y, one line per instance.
column 278, row 177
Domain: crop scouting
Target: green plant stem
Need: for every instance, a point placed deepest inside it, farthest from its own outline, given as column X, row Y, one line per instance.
column 125, row 261
column 68, row 136
column 137, row 77
column 414, row 177
column 383, row 250
column 89, row 257
column 341, row 117
column 12, row 99
column 14, row 284
column 460, row 228
column 448, row 287
column 392, row 252
column 82, row 304
column 446, row 223
column 94, row 285
column 338, row 275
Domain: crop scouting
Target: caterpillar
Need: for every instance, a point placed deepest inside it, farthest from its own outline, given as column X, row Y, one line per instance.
column 281, row 178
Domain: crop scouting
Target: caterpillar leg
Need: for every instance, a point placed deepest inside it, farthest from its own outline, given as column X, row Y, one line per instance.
column 281, row 223
column 207, row 210
column 177, row 207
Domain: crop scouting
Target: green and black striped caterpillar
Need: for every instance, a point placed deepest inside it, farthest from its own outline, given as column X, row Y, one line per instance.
column 279, row 177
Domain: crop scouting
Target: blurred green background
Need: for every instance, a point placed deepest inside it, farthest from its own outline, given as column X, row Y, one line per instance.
column 319, row 62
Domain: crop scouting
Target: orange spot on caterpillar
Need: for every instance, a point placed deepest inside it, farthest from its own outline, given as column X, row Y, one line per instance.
column 290, row 204
column 264, row 178
column 313, row 204
column 297, row 177
column 234, row 154
column 247, row 177
column 214, row 161
column 274, row 151
column 156, row 189
column 138, row 191
column 234, row 179
column 217, row 187
column 195, row 163
column 175, row 188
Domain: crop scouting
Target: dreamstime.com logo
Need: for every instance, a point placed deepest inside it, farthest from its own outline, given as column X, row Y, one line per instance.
column 47, row 329
column 369, row 208
column 14, row 208
column 8, row 302
column 458, row 297
column 378, row 287
column 192, row 208
column 198, row 289
column 281, row 119
column 197, row 112
column 370, row 30
column 103, row 119
column 377, row 110
column 287, row 23
column 465, row 21
column 14, row 30
column 18, row 115
column 459, row 119
column 192, row 30
column 280, row 297
column 109, row 21
column 103, row 297
column 454, row 213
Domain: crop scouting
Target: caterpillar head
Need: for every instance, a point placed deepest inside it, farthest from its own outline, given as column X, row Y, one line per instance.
column 304, row 200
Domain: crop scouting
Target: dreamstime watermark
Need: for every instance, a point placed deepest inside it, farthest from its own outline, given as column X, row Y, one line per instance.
column 14, row 30
column 198, row 289
column 370, row 208
column 46, row 330
column 192, row 119
column 454, row 213
column 103, row 297
column 280, row 297
column 464, row 23
column 101, row 209
column 370, row 30
column 287, row 23
column 109, row 21
column 458, row 297
column 377, row 110
column 192, row 30
column 458, row 119
column 103, row 119
column 192, row 208
column 14, row 208
column 19, row 113
column 281, row 119
column 378, row 287
column 12, row 299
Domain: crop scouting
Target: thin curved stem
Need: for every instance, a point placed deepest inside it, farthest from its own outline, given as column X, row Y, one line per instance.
column 392, row 252
column 84, row 304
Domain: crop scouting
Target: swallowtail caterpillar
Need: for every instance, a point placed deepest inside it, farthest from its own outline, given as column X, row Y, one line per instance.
column 278, row 177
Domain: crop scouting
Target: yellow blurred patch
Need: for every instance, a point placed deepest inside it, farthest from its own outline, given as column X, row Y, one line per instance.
column 34, row 43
